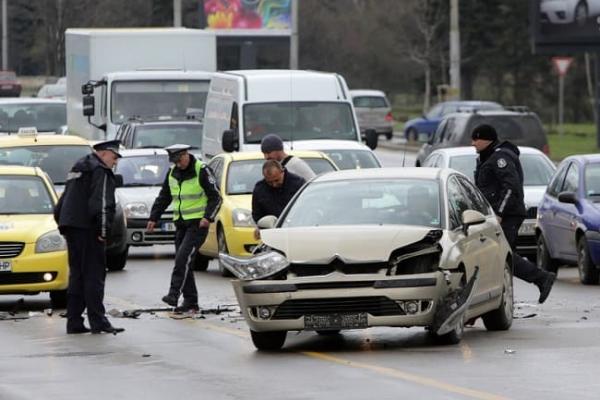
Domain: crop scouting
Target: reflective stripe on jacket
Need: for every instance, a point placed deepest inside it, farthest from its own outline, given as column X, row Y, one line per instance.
column 189, row 199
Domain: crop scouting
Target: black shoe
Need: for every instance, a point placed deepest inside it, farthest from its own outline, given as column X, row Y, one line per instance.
column 170, row 300
column 108, row 329
column 193, row 308
column 546, row 286
column 76, row 330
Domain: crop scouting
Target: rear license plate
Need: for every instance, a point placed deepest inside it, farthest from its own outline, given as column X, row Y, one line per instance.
column 168, row 226
column 336, row 321
column 5, row 266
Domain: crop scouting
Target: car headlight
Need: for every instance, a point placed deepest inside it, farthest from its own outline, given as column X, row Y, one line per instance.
column 136, row 210
column 242, row 217
column 257, row 267
column 50, row 241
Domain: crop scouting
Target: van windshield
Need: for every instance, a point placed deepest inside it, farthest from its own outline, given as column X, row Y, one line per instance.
column 152, row 99
column 299, row 121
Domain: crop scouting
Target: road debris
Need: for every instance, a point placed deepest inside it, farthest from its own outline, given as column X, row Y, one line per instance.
column 509, row 351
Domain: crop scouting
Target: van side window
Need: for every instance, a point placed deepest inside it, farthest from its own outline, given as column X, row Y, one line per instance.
column 234, row 121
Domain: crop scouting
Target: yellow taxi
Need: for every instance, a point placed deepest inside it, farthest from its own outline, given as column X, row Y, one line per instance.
column 233, row 229
column 55, row 154
column 33, row 254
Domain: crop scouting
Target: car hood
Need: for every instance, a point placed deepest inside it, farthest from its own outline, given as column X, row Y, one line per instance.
column 240, row 201
column 138, row 194
column 349, row 243
column 25, row 228
column 533, row 195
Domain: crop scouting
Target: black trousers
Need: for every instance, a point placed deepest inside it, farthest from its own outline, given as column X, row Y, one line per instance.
column 523, row 268
column 188, row 239
column 87, row 272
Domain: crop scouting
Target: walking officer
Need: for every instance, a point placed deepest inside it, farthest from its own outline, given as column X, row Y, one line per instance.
column 499, row 176
column 84, row 215
column 191, row 187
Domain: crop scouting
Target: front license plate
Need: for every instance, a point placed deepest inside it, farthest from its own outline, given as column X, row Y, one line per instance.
column 336, row 321
column 5, row 266
column 168, row 226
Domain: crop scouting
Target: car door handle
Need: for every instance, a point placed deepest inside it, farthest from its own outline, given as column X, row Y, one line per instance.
column 482, row 238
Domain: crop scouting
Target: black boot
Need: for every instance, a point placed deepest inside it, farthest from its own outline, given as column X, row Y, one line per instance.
column 545, row 286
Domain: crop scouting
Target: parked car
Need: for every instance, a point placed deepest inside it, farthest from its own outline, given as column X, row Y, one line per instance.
column 143, row 172
column 569, row 218
column 521, row 127
column 405, row 240
column 345, row 154
column 33, row 254
column 568, row 11
column 56, row 154
column 373, row 111
column 48, row 116
column 537, row 172
column 143, row 134
column 52, row 91
column 428, row 123
column 9, row 85
column 233, row 229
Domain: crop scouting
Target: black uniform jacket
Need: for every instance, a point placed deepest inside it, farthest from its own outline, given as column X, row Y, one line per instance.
column 267, row 200
column 499, row 176
column 88, row 201
column 207, row 182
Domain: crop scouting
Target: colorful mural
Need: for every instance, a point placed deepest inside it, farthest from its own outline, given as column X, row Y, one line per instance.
column 248, row 14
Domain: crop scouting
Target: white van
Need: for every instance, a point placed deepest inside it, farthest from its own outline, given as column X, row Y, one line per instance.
column 307, row 109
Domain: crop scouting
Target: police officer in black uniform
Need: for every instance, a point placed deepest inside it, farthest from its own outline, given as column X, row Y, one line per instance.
column 499, row 176
column 191, row 187
column 84, row 215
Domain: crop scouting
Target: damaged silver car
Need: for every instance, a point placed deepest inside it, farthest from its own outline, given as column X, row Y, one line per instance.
column 390, row 247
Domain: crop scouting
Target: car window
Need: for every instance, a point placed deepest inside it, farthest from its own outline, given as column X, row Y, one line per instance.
column 465, row 164
column 370, row 102
column 24, row 195
column 319, row 165
column 353, row 159
column 242, row 176
column 592, row 181
column 431, row 161
column 216, row 166
column 146, row 170
column 556, row 183
column 439, row 133
column 448, row 132
column 474, row 197
column 46, row 117
column 536, row 170
column 457, row 203
column 435, row 112
column 164, row 135
column 572, row 179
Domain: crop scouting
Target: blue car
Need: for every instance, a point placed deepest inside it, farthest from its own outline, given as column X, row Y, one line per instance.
column 428, row 123
column 569, row 218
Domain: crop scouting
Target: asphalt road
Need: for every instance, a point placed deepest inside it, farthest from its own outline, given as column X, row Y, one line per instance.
column 550, row 353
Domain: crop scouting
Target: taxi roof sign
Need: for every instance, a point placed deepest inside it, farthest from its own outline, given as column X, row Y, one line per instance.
column 27, row 131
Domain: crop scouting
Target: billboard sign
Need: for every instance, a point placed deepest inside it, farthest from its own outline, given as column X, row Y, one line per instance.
column 565, row 25
column 248, row 14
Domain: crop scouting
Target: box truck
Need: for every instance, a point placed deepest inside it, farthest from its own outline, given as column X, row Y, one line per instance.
column 117, row 74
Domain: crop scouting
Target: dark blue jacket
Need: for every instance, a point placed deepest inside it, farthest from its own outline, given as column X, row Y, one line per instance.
column 267, row 200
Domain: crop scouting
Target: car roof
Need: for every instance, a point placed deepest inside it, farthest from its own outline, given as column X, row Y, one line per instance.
column 467, row 150
column 158, row 121
column 30, row 100
column 367, row 92
column 325, row 145
column 386, row 173
column 472, row 102
column 585, row 158
column 257, row 155
column 20, row 170
column 142, row 152
column 41, row 140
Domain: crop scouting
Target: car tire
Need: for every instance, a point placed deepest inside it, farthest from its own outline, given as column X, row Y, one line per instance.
column 329, row 333
column 222, row 244
column 588, row 273
column 58, row 298
column 201, row 262
column 501, row 318
column 116, row 262
column 268, row 341
column 413, row 134
column 452, row 337
column 542, row 258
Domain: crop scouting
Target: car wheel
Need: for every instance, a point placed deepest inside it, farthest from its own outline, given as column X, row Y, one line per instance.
column 413, row 134
column 329, row 333
column 268, row 341
column 543, row 259
column 501, row 318
column 116, row 262
column 222, row 243
column 588, row 273
column 581, row 14
column 201, row 262
column 389, row 135
column 452, row 337
column 58, row 298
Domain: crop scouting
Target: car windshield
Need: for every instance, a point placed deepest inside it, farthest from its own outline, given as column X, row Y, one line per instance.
column 367, row 202
column 152, row 99
column 592, row 181
column 24, row 195
column 353, row 159
column 164, row 135
column 147, row 170
column 370, row 102
column 45, row 117
column 56, row 161
column 299, row 121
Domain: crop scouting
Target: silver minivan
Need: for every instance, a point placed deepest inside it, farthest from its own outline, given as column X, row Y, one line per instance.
column 373, row 111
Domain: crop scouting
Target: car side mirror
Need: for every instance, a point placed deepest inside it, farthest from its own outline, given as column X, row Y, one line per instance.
column 267, row 222
column 230, row 141
column 118, row 180
column 470, row 218
column 567, row 197
column 89, row 106
column 371, row 138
